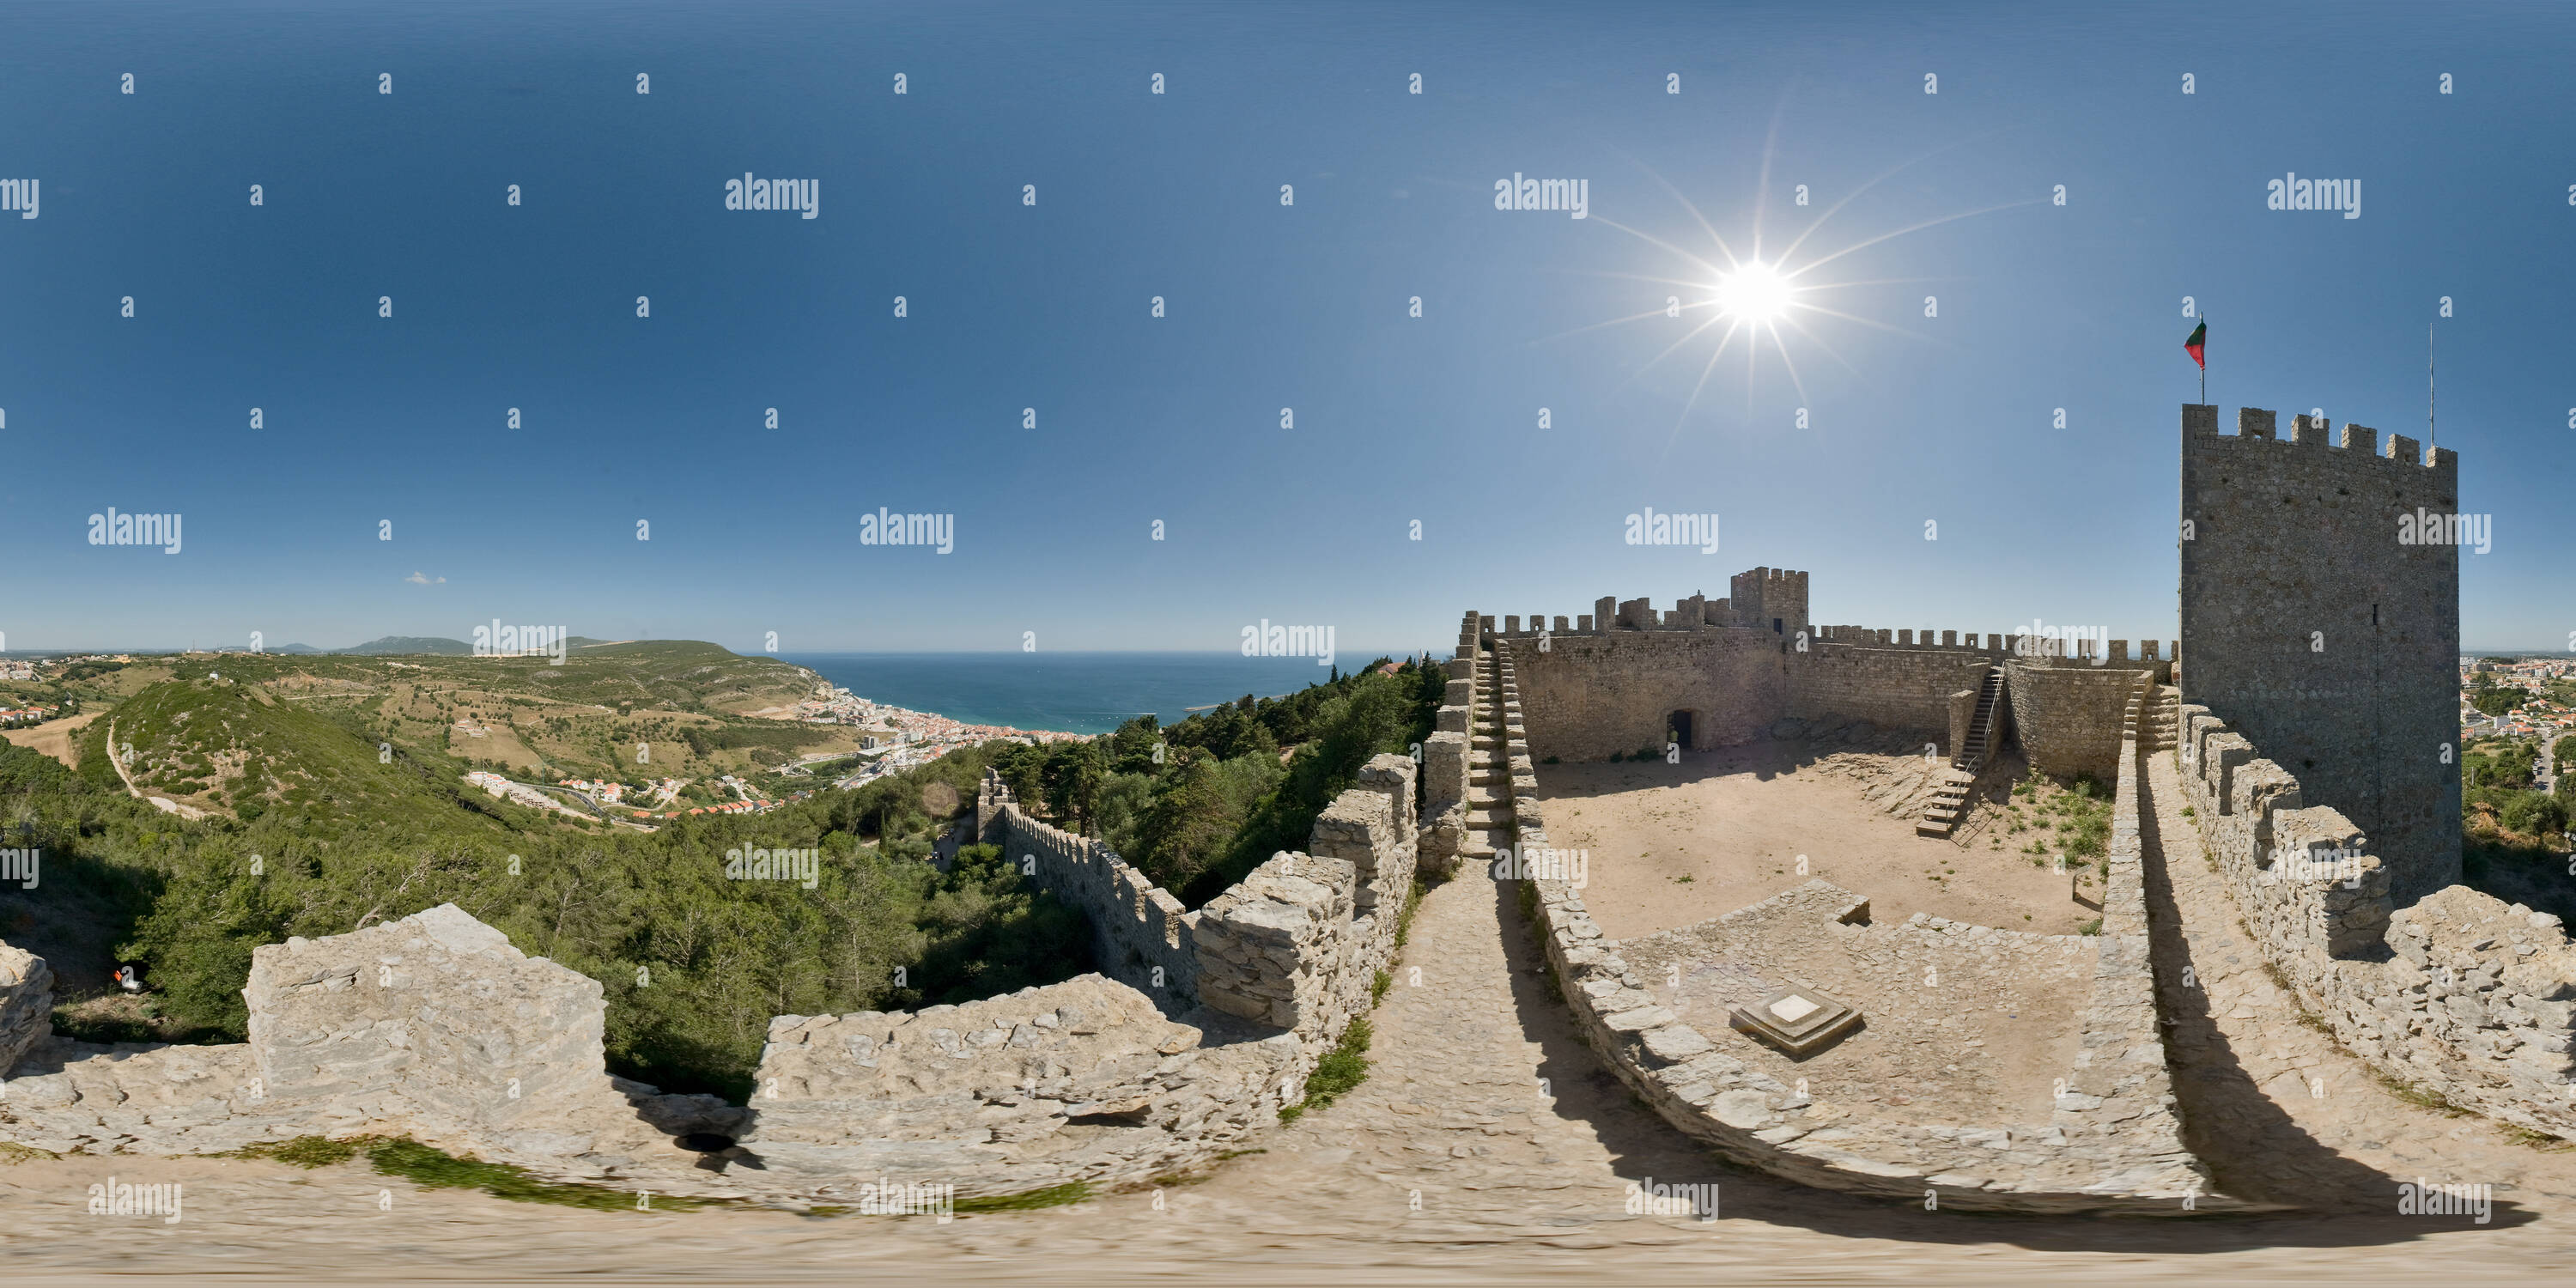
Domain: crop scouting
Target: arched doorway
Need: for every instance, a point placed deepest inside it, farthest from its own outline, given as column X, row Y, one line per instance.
column 1677, row 728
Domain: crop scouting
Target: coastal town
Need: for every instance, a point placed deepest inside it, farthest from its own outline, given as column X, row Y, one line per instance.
column 893, row 739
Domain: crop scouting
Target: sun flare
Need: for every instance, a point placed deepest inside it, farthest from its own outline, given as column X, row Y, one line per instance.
column 1754, row 292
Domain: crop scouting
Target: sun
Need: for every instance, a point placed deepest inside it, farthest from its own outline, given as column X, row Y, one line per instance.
column 1755, row 292
column 1759, row 299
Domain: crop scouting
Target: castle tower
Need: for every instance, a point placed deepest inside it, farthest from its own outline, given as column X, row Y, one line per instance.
column 1769, row 599
column 2320, row 634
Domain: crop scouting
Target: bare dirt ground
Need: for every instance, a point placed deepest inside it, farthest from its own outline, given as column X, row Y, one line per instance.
column 1735, row 821
column 53, row 737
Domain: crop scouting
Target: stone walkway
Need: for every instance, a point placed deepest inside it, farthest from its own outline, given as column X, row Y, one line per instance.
column 2281, row 1113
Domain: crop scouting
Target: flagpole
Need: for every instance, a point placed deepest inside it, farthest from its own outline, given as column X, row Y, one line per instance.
column 2204, row 361
column 2432, row 400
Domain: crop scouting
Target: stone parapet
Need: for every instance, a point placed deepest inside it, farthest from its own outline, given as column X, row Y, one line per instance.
column 2460, row 993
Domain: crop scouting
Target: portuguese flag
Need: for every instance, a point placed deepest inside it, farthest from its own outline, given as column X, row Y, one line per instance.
column 2197, row 346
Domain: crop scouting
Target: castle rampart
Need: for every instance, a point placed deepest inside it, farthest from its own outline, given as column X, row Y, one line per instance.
column 2459, row 992
column 1614, row 681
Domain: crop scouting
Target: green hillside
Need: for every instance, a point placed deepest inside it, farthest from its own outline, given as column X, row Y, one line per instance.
column 411, row 644
column 234, row 748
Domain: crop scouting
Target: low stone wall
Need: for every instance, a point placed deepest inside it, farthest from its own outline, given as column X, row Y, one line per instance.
column 1141, row 935
column 1086, row 1080
column 1055, row 1084
column 2112, row 1142
column 2460, row 994
column 1901, row 688
column 2068, row 717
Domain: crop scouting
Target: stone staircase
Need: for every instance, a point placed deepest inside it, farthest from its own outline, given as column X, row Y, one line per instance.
column 2160, row 723
column 1950, row 800
column 1489, row 759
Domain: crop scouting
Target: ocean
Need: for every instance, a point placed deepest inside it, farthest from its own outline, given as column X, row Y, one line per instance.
column 1073, row 692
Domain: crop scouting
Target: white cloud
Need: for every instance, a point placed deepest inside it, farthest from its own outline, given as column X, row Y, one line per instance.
column 419, row 580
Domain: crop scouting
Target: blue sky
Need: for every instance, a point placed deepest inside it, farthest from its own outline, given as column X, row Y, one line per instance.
column 1396, row 418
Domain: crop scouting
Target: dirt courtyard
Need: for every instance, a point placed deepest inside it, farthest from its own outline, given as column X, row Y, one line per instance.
column 1670, row 845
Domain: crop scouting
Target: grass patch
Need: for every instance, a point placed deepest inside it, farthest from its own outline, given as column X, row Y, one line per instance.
column 2420, row 1096
column 436, row 1169
column 2092, row 927
column 1412, row 903
column 13, row 1152
column 1051, row 1196
column 304, row 1151
column 1378, row 986
column 2539, row 1140
column 1342, row 1068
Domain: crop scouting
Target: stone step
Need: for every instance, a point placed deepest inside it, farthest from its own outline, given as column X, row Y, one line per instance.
column 1482, row 845
column 1489, row 820
column 1929, row 828
column 1486, row 795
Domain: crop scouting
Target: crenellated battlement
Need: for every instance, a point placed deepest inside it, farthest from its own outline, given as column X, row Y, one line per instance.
column 2256, row 425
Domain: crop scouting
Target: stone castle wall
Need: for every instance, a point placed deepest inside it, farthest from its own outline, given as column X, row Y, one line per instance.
column 2459, row 992
column 1608, row 681
column 1141, row 935
column 1900, row 688
column 2325, row 639
column 1587, row 696
column 2069, row 717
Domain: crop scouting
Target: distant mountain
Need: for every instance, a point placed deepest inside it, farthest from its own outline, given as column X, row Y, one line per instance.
column 294, row 648
column 412, row 644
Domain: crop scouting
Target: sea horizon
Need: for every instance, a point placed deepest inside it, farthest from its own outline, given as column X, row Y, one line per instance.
column 1088, row 692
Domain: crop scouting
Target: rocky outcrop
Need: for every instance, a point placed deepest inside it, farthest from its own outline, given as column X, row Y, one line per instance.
column 26, row 1003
